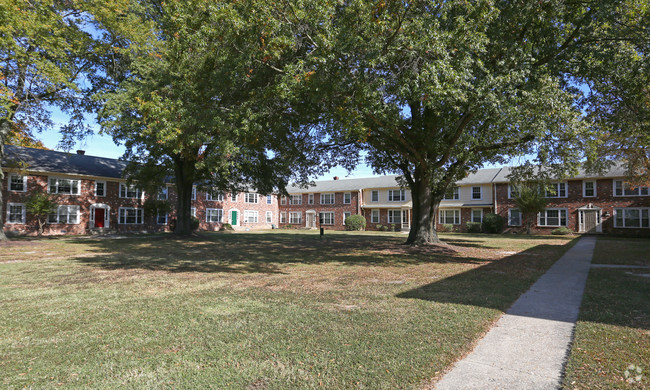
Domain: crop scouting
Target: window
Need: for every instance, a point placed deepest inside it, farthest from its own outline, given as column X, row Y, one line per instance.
column 395, row 216
column 100, row 188
column 17, row 183
column 553, row 217
column 588, row 189
column 310, row 199
column 632, row 218
column 233, row 197
column 622, row 188
column 193, row 192
column 63, row 186
column 347, row 198
column 295, row 217
column 283, row 217
column 15, row 213
column 346, row 214
column 269, row 217
column 452, row 194
column 451, row 217
column 327, row 218
column 295, row 199
column 250, row 216
column 129, row 192
column 396, row 195
column 163, row 194
column 556, row 190
column 477, row 215
column 283, row 199
column 374, row 216
column 513, row 191
column 214, row 215
column 214, row 195
column 374, row 196
column 326, row 198
column 250, row 197
column 64, row 214
column 477, row 193
column 193, row 211
column 514, row 217
column 269, row 199
column 161, row 219
column 130, row 216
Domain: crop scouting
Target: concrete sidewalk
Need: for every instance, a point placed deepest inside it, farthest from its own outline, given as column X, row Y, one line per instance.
column 528, row 346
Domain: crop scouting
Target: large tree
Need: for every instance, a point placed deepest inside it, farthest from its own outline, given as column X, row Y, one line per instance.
column 436, row 89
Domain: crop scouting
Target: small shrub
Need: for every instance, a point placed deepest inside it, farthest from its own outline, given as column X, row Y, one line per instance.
column 561, row 231
column 447, row 227
column 473, row 227
column 194, row 223
column 384, row 228
column 226, row 227
column 355, row 222
column 492, row 223
column 378, row 226
column 392, row 228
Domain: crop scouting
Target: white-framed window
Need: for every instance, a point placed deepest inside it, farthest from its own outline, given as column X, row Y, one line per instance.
column 450, row 216
column 477, row 192
column 193, row 211
column 295, row 217
column 15, row 213
column 327, row 218
column 269, row 199
column 214, row 215
column 396, row 195
column 638, row 217
column 347, row 198
column 233, row 197
column 283, row 217
column 346, row 214
column 395, row 216
column 130, row 216
column 161, row 218
column 214, row 195
column 64, row 186
column 250, row 197
column 295, row 199
column 552, row 217
column 283, row 199
column 193, row 192
column 17, row 183
column 250, row 216
column 269, row 217
column 452, row 193
column 514, row 217
column 64, row 214
column 589, row 189
column 327, row 198
column 622, row 188
column 163, row 193
column 310, row 199
column 557, row 190
column 130, row 192
column 374, row 216
column 100, row 188
column 374, row 196
column 477, row 215
column 513, row 191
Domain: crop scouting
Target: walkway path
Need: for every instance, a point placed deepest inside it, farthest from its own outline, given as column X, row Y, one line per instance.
column 528, row 346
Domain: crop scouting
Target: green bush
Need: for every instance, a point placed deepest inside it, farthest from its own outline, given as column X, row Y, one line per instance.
column 561, row 231
column 355, row 222
column 492, row 223
column 447, row 227
column 384, row 228
column 226, row 227
column 378, row 226
column 194, row 223
column 473, row 227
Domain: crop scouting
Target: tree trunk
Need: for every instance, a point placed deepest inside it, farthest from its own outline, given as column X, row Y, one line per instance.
column 184, row 182
column 40, row 227
column 423, row 225
column 4, row 131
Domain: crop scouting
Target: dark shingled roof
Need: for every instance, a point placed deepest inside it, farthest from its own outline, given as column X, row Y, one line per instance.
column 61, row 162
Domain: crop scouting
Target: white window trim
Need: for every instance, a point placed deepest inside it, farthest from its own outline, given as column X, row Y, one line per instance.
column 402, row 195
column 480, row 193
column 253, row 212
column 510, row 217
column 557, row 184
column 193, row 212
column 24, row 177
column 298, row 202
column 584, row 189
column 283, row 217
column 310, row 199
column 158, row 218
column 293, row 213
column 630, row 208
column 539, row 215
column 444, row 197
column 233, row 197
column 57, row 185
column 24, row 216
column 58, row 220
column 510, row 191
column 140, row 196
column 440, row 219
column 283, row 200
column 254, row 197
column 194, row 191
column 372, row 212
column 269, row 213
column 623, row 189
column 214, row 196
column 330, row 213
column 350, row 197
column 372, row 193
column 103, row 182
column 119, row 214
column 344, row 217
column 471, row 215
column 269, row 199
column 207, row 215
column 164, row 190
column 390, row 213
column 327, row 193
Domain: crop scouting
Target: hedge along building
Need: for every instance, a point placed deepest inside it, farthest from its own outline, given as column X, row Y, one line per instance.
column 91, row 194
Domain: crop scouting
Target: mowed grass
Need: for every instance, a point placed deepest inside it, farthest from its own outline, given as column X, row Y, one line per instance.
column 613, row 330
column 254, row 310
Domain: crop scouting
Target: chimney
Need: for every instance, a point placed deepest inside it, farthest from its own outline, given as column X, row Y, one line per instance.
column 81, row 152
column 336, row 177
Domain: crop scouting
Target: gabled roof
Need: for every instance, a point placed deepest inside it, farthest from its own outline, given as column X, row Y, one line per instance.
column 616, row 170
column 61, row 162
column 482, row 176
column 388, row 181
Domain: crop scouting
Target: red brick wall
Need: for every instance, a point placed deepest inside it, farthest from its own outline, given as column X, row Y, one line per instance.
column 338, row 208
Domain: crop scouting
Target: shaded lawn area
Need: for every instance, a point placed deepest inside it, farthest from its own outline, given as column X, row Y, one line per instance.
column 624, row 251
column 254, row 310
column 613, row 329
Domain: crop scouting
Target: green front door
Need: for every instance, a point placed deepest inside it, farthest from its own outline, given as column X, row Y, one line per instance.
column 233, row 217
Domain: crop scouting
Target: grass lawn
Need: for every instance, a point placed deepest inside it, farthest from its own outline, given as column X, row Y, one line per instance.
column 613, row 330
column 272, row 310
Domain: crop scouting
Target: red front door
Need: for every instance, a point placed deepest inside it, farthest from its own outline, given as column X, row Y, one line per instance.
column 99, row 218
